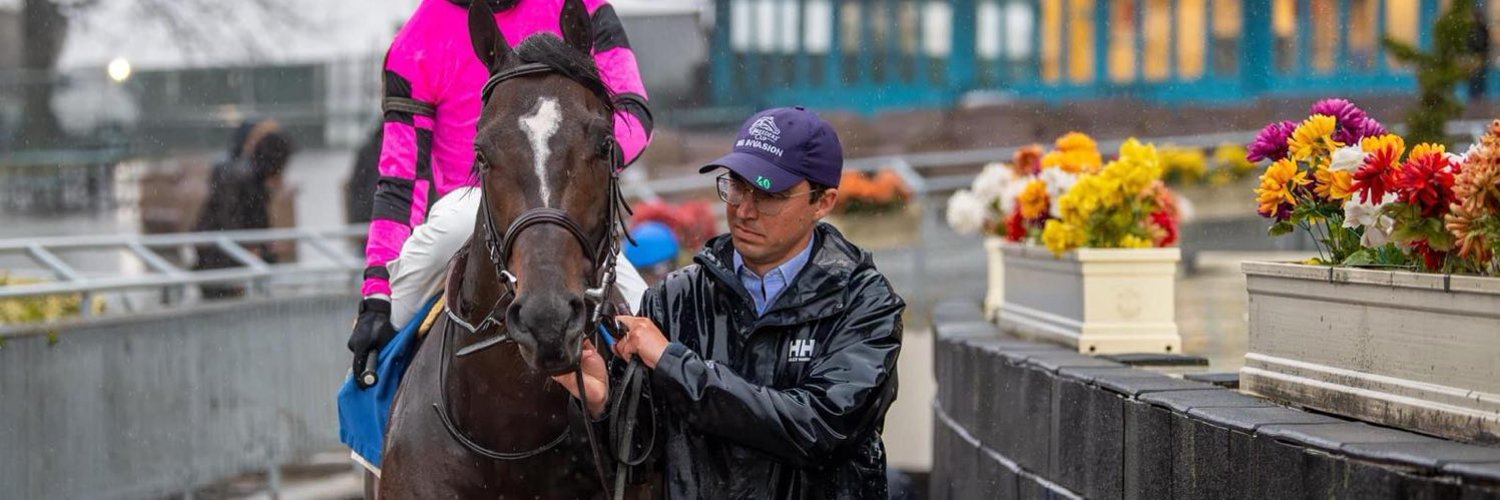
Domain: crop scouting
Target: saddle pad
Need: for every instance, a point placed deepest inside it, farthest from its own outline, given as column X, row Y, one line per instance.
column 363, row 413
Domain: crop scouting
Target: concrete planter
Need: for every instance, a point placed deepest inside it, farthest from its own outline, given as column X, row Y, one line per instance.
column 1409, row 350
column 1099, row 300
column 883, row 231
column 994, row 296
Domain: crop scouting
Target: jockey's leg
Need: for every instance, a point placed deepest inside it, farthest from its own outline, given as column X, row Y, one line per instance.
column 418, row 273
column 630, row 283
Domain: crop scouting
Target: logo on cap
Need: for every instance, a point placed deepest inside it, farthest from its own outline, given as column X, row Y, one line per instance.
column 763, row 182
column 765, row 129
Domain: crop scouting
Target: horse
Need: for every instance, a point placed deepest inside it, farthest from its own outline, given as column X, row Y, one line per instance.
column 478, row 414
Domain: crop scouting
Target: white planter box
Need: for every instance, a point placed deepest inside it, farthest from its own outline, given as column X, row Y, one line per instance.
column 1100, row 300
column 1409, row 350
column 994, row 297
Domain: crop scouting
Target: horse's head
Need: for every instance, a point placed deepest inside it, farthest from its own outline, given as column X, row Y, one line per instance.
column 545, row 158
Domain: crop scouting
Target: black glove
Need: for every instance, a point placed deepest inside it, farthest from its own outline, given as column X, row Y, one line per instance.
column 372, row 331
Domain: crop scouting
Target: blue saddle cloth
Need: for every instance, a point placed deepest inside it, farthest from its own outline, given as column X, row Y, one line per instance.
column 363, row 413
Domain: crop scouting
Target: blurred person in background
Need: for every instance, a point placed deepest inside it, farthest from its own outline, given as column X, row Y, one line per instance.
column 239, row 195
column 654, row 251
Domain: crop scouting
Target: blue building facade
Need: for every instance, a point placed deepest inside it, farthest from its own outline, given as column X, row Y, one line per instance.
column 868, row 55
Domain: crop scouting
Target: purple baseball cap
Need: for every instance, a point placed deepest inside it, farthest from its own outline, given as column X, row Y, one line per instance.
column 778, row 148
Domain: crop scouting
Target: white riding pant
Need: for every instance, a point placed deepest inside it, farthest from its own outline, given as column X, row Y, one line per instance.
column 418, row 273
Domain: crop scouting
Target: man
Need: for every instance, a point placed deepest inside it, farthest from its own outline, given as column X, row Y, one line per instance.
column 773, row 357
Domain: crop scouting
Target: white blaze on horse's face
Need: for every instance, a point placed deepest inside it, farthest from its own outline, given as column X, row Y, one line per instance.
column 540, row 125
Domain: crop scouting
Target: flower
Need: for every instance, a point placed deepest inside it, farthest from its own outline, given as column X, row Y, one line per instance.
column 1165, row 225
column 1312, row 137
column 1028, row 159
column 1353, row 123
column 1426, row 180
column 1348, row 159
column 1474, row 215
column 1365, row 214
column 1378, row 174
column 1276, row 185
column 1427, row 148
column 1058, row 182
column 993, row 180
column 1015, row 227
column 1075, row 152
column 967, row 212
column 1060, row 237
column 1133, row 241
column 1034, row 200
column 1334, row 185
column 1271, row 142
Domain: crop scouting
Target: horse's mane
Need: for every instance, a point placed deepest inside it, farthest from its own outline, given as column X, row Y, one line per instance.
column 567, row 61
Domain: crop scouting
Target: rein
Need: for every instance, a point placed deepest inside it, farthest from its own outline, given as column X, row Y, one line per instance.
column 603, row 259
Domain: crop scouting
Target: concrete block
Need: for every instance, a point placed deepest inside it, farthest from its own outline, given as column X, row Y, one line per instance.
column 1276, row 469
column 1142, row 382
column 1184, row 401
column 1227, row 380
column 1430, row 454
column 1088, row 374
column 1147, row 451
column 1157, row 359
column 1088, row 449
column 1033, row 443
column 1052, row 361
column 997, row 481
column 1201, row 467
column 1333, row 437
column 1250, row 419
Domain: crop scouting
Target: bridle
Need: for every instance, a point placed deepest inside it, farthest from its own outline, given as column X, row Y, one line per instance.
column 602, row 259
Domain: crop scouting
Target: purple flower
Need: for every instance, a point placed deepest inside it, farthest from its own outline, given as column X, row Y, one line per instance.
column 1270, row 144
column 1342, row 110
column 1350, row 135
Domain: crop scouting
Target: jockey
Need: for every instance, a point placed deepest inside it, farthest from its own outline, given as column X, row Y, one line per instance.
column 432, row 104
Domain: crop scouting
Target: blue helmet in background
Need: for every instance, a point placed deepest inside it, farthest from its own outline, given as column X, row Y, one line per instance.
column 655, row 243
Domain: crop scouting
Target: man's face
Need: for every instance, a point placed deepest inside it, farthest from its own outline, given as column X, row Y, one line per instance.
column 767, row 228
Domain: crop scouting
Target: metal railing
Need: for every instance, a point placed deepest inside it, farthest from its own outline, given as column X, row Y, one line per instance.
column 337, row 259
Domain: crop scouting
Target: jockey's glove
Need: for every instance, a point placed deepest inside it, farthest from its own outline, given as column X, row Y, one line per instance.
column 372, row 331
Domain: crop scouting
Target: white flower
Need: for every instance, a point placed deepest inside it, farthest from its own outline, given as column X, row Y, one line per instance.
column 1347, row 159
column 967, row 212
column 1012, row 195
column 1058, row 184
column 1358, row 212
column 992, row 182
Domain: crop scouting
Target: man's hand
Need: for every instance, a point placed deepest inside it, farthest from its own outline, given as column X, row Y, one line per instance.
column 642, row 339
column 595, row 378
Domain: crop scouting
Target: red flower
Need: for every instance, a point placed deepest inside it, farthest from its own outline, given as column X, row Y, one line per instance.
column 1432, row 259
column 1379, row 173
column 1015, row 227
column 1167, row 222
column 1426, row 182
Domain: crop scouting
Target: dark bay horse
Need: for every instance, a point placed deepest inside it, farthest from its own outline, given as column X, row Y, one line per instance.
column 478, row 414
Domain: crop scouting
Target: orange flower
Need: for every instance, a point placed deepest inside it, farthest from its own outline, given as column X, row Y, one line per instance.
column 1033, row 200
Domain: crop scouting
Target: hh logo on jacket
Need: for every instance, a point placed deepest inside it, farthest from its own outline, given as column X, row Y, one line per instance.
column 801, row 351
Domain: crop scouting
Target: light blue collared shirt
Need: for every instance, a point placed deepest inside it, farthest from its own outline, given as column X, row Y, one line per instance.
column 764, row 289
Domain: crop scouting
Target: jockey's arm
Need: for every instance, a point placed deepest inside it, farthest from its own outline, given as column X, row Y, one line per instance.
column 617, row 66
column 400, row 201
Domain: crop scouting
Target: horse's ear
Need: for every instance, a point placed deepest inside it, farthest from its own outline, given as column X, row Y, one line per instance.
column 577, row 29
column 489, row 43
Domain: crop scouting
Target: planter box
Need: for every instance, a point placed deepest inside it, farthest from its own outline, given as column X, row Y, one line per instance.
column 1409, row 350
column 881, row 231
column 994, row 297
column 1100, row 300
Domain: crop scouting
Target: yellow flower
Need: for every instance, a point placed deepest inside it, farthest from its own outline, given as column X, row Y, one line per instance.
column 1033, row 200
column 1276, row 185
column 1376, row 143
column 1314, row 136
column 1133, row 241
column 1060, row 237
column 1334, row 185
column 1427, row 148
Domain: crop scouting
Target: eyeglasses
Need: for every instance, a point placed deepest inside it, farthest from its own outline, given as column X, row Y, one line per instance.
column 734, row 192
